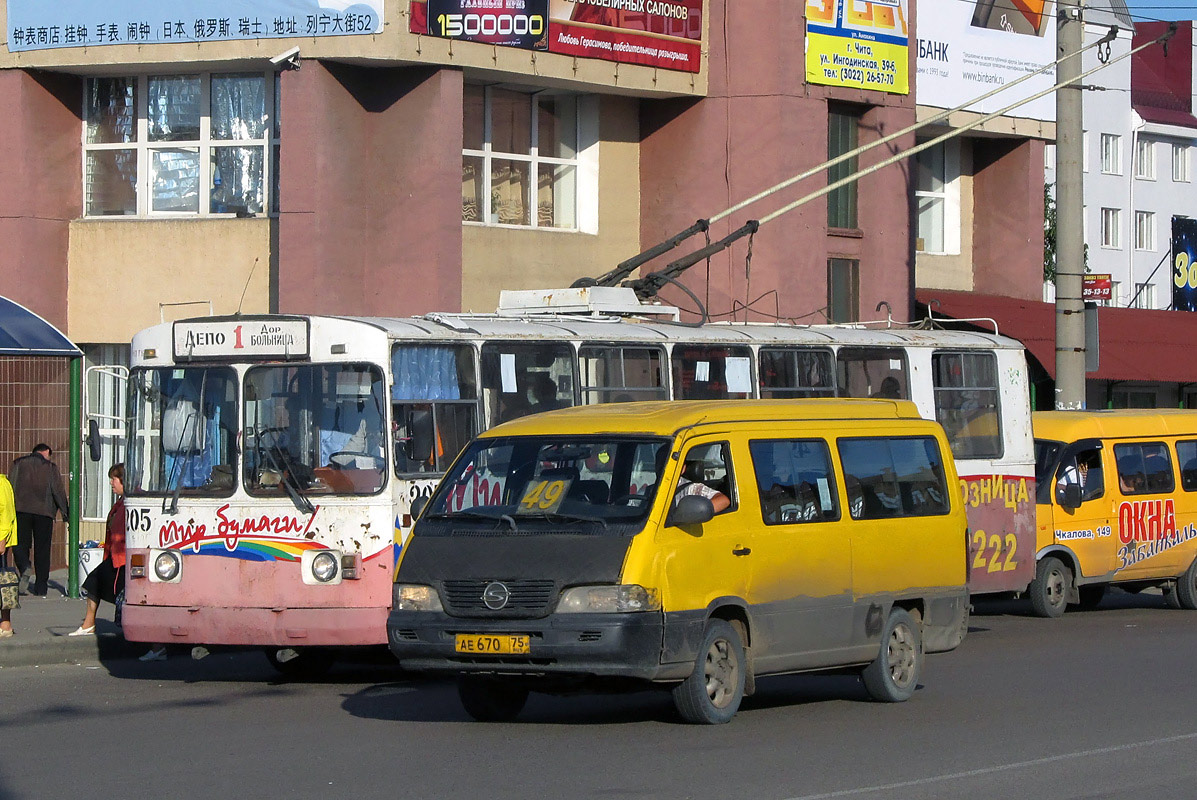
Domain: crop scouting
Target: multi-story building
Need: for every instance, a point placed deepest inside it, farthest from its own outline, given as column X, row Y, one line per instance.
column 176, row 159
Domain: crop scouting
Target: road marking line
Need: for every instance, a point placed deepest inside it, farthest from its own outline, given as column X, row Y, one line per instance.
column 999, row 768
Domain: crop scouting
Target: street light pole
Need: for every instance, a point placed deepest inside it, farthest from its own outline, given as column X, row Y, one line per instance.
column 1070, row 240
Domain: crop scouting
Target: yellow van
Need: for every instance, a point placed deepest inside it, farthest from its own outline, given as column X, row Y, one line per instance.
column 690, row 545
column 1116, row 503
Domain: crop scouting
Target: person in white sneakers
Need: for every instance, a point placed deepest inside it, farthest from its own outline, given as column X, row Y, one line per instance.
column 107, row 580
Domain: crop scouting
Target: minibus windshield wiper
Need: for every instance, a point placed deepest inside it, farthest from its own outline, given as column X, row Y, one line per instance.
column 475, row 514
column 557, row 516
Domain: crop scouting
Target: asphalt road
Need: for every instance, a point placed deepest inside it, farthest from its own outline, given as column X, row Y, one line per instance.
column 1097, row 704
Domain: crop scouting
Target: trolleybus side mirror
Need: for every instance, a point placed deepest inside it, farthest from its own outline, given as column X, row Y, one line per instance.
column 93, row 439
column 420, row 436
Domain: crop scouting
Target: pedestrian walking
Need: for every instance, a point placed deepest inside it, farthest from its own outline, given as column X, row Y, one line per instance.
column 37, row 486
column 107, row 580
column 8, row 540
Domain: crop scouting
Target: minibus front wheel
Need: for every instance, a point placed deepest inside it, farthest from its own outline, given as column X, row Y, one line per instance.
column 489, row 699
column 712, row 693
column 1049, row 589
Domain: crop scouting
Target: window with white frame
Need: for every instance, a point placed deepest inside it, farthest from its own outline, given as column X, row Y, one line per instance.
column 936, row 192
column 1145, row 159
column 1115, row 294
column 1111, row 154
column 1144, row 230
column 1180, row 163
column 1144, row 295
column 520, row 158
column 197, row 144
column 1111, row 227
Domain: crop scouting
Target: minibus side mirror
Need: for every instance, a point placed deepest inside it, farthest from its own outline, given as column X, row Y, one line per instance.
column 417, row 507
column 1069, row 496
column 419, row 428
column 691, row 510
column 93, row 439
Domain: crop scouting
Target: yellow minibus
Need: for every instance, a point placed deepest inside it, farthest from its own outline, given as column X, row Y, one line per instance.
column 1116, row 503
column 694, row 546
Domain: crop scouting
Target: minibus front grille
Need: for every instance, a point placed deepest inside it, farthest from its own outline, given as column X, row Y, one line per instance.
column 525, row 597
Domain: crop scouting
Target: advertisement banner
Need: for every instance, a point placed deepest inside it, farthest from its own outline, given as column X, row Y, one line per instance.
column 508, row 23
column 969, row 47
column 1184, row 264
column 1097, row 286
column 658, row 33
column 863, row 44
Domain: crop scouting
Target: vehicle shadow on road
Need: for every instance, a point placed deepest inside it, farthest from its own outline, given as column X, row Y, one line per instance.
column 1115, row 599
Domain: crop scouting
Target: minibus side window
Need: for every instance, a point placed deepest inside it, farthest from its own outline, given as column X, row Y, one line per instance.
column 894, row 477
column 706, row 471
column 872, row 372
column 787, row 372
column 1186, row 456
column 615, row 374
column 702, row 372
column 1144, row 468
column 795, row 480
column 1083, row 469
column 966, row 403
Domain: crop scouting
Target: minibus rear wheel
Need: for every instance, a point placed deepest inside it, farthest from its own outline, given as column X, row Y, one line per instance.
column 894, row 674
column 1049, row 590
column 491, row 699
column 712, row 693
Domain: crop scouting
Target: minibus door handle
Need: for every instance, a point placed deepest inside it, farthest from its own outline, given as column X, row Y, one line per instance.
column 741, row 551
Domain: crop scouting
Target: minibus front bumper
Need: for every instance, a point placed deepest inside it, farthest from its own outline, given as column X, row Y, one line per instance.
column 600, row 645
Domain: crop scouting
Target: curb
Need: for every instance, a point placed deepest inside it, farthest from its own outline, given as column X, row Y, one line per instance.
column 61, row 649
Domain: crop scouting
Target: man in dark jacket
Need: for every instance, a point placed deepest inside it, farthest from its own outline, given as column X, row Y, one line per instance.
column 37, row 490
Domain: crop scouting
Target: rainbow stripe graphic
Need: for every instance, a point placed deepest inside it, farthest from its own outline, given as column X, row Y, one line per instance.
column 254, row 549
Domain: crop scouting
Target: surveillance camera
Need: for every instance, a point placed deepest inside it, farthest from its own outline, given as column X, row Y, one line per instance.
column 288, row 59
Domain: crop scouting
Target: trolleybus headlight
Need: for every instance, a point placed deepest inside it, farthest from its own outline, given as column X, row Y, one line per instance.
column 167, row 565
column 324, row 566
column 608, row 600
column 413, row 597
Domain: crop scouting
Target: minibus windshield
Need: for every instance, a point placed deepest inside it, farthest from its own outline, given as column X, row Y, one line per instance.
column 524, row 483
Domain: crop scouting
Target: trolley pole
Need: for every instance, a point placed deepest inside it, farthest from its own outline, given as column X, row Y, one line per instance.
column 1070, row 240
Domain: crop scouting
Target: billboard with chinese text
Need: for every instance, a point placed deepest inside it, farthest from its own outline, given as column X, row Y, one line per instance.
column 659, row 33
column 863, row 44
column 37, row 25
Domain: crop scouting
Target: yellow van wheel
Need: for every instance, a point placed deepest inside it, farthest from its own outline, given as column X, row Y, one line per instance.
column 894, row 674
column 712, row 693
column 1186, row 588
column 1049, row 590
column 491, row 699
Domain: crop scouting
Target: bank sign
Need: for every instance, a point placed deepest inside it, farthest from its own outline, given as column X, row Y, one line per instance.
column 859, row 44
column 38, row 25
column 966, row 48
column 659, row 33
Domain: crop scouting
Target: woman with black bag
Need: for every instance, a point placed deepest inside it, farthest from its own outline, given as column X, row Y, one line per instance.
column 8, row 538
column 107, row 580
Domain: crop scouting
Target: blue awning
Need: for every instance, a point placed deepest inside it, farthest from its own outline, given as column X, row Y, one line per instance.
column 23, row 333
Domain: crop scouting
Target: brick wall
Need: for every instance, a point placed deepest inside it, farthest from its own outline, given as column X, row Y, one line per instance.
column 35, row 398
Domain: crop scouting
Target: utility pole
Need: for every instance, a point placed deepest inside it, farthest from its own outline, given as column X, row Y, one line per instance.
column 1070, row 238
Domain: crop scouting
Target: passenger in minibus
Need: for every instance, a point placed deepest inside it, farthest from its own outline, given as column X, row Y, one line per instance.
column 692, row 483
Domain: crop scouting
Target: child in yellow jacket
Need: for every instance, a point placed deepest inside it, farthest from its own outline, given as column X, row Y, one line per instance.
column 8, row 538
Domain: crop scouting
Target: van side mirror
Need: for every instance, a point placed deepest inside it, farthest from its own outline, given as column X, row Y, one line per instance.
column 93, row 439
column 691, row 510
column 417, row 507
column 1069, row 496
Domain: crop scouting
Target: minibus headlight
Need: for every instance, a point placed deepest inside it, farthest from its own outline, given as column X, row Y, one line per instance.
column 608, row 600
column 324, row 566
column 414, row 597
column 167, row 565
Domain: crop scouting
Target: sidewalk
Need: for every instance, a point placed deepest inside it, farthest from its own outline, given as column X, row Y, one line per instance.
column 42, row 625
